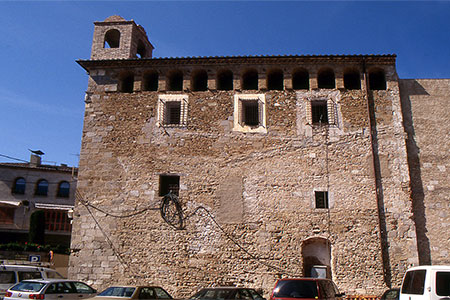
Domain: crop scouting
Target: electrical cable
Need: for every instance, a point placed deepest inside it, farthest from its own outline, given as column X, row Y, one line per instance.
column 174, row 198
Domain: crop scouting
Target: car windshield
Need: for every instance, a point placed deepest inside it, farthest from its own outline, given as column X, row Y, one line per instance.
column 27, row 286
column 118, row 291
column 219, row 294
column 295, row 289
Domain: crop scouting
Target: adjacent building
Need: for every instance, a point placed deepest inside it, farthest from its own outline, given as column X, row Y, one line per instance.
column 318, row 165
column 27, row 187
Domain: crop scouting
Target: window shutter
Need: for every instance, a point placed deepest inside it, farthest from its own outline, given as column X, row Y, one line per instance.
column 330, row 109
column 240, row 112
column 260, row 113
column 183, row 116
column 308, row 112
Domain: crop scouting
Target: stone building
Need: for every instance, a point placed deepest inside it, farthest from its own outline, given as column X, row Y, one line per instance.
column 27, row 187
column 283, row 166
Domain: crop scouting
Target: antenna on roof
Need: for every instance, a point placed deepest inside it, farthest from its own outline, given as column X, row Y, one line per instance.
column 37, row 152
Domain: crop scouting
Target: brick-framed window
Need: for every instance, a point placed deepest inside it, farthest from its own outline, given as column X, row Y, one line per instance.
column 320, row 111
column 250, row 113
column 57, row 220
column 321, row 199
column 172, row 110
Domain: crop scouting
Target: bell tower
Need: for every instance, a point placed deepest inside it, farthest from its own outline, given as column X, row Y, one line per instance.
column 117, row 38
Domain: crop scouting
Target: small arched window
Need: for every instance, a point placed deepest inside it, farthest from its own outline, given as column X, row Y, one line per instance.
column 140, row 52
column 151, row 81
column 250, row 80
column 41, row 188
column 126, row 84
column 300, row 80
column 352, row 80
column 175, row 81
column 112, row 39
column 19, row 186
column 225, row 80
column 377, row 79
column 275, row 80
column 325, row 79
column 63, row 189
column 199, row 81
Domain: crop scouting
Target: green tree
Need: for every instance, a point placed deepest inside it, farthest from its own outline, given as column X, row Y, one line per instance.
column 36, row 233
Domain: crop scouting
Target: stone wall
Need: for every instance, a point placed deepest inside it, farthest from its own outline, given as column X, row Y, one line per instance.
column 259, row 188
column 424, row 103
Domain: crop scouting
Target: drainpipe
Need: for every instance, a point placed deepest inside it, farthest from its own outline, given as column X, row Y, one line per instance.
column 378, row 180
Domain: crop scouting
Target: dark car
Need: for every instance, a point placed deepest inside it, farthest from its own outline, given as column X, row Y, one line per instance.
column 223, row 293
column 305, row 288
column 391, row 294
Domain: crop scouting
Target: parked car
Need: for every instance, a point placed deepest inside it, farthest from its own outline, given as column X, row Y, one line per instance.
column 12, row 274
column 49, row 289
column 426, row 283
column 133, row 292
column 224, row 293
column 305, row 288
column 391, row 294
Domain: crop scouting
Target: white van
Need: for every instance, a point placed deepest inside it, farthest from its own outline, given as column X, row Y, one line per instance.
column 12, row 274
column 426, row 283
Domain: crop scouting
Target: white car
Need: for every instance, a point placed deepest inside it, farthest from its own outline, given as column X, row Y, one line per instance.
column 50, row 289
column 12, row 274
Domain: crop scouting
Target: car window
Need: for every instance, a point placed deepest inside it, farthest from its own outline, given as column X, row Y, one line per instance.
column 391, row 294
column 26, row 286
column 254, row 294
column 147, row 293
column 243, row 294
column 53, row 274
column 296, row 289
column 24, row 275
column 117, row 291
column 60, row 288
column 82, row 288
column 224, row 294
column 162, row 294
column 7, row 277
column 414, row 282
column 443, row 283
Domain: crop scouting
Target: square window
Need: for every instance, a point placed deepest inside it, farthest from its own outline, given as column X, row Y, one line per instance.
column 249, row 113
column 172, row 110
column 319, row 112
column 172, row 113
column 169, row 183
column 321, row 199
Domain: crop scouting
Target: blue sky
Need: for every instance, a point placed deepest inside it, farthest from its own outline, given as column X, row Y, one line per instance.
column 42, row 87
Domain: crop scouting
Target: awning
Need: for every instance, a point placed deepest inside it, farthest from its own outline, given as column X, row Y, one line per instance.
column 53, row 206
column 10, row 202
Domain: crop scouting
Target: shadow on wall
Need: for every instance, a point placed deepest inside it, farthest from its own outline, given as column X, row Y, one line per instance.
column 410, row 87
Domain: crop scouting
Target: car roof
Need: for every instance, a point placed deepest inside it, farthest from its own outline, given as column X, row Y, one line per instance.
column 6, row 267
column 49, row 280
column 304, row 278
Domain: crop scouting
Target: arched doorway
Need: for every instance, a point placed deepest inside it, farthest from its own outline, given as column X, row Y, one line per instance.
column 316, row 253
